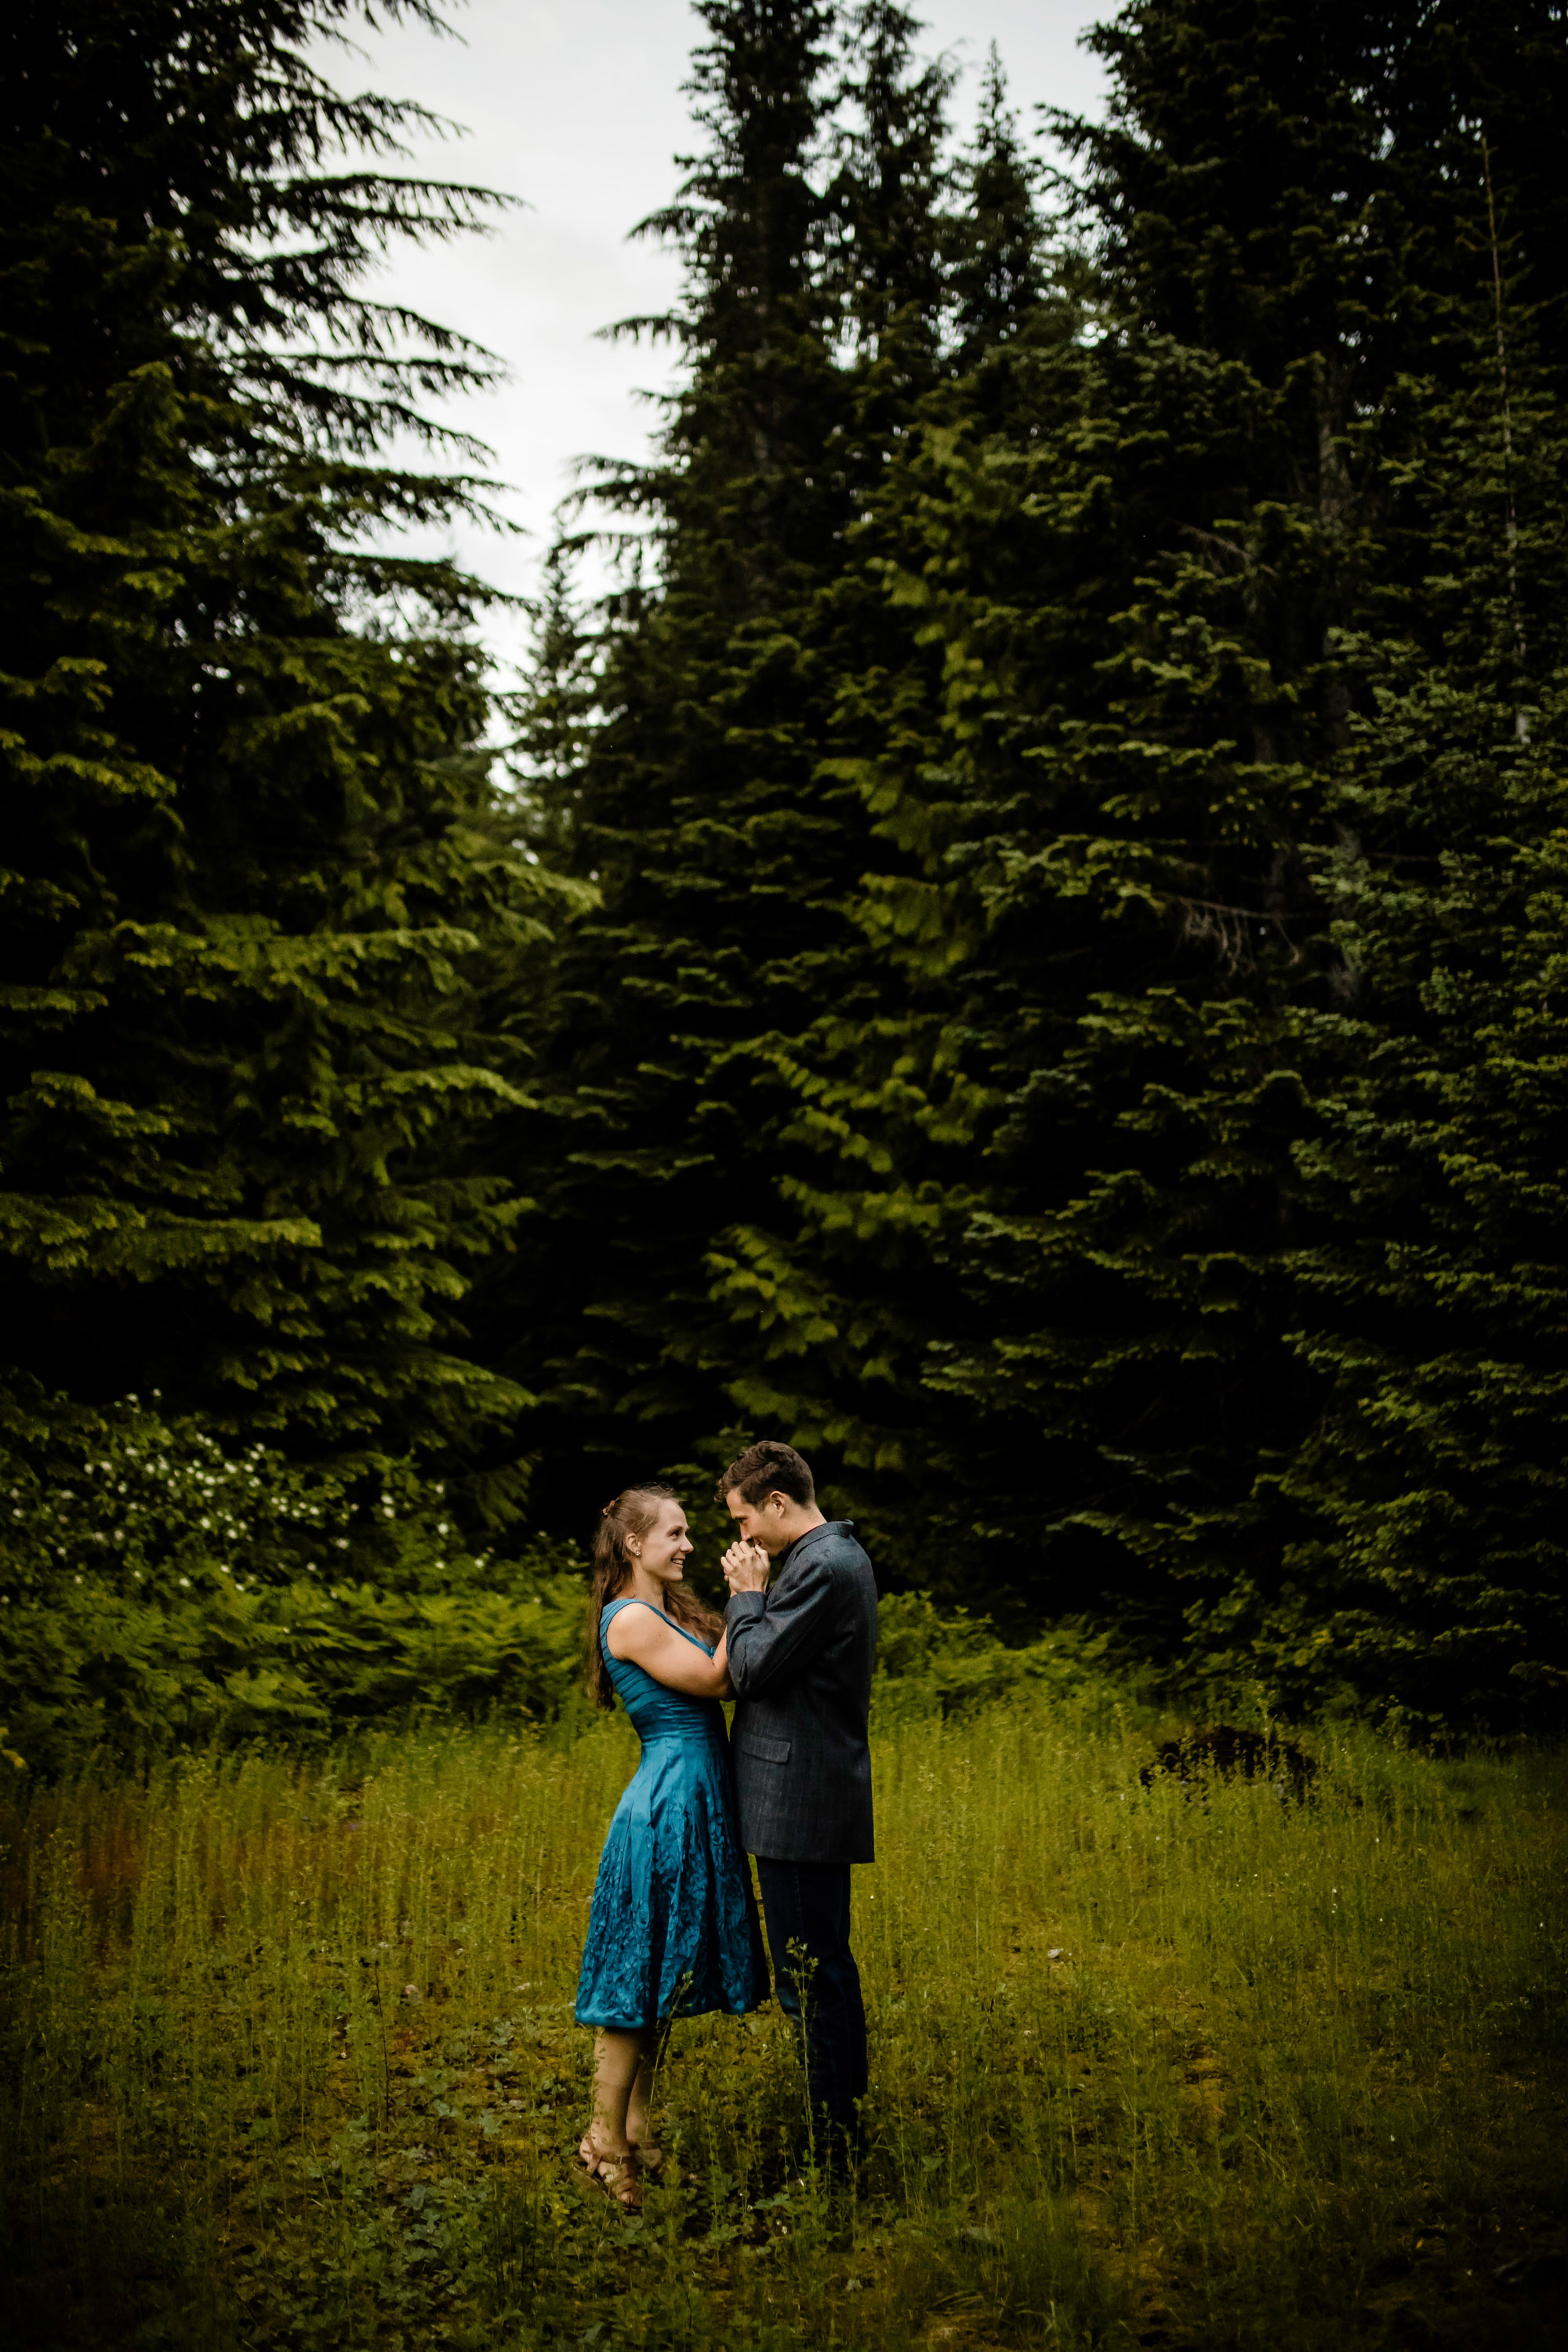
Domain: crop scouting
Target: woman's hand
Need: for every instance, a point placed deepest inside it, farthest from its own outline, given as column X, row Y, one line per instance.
column 646, row 1637
column 746, row 1568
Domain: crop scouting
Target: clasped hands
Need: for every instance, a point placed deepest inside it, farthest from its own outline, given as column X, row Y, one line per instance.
column 746, row 1568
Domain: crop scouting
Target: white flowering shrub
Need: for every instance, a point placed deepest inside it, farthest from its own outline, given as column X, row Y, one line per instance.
column 158, row 1587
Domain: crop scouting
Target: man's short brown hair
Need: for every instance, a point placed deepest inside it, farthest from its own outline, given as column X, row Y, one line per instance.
column 768, row 1468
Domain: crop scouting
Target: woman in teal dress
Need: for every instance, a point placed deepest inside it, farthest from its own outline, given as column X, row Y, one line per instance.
column 673, row 1931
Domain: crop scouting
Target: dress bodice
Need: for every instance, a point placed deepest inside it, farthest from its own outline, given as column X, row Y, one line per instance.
column 657, row 1712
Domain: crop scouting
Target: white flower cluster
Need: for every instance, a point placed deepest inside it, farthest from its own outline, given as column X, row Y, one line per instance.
column 150, row 1501
column 158, row 1509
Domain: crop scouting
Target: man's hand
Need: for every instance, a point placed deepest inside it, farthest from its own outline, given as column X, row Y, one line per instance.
column 746, row 1568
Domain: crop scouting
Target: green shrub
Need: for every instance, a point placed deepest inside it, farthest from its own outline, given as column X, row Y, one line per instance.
column 946, row 1662
column 157, row 1591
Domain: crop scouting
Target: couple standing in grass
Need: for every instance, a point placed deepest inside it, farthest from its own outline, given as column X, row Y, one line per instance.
column 673, row 1931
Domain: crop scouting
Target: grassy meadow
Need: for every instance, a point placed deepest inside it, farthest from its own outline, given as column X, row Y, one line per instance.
column 291, row 2058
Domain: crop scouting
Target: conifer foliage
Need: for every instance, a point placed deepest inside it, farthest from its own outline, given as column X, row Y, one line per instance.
column 1197, row 487
column 1023, row 1137
column 251, row 870
column 1431, row 1298
column 1024, row 951
column 694, row 805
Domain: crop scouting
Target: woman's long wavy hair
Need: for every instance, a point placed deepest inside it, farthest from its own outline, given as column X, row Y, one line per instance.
column 621, row 1524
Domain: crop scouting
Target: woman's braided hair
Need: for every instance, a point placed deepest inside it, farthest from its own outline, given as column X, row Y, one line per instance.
column 623, row 1523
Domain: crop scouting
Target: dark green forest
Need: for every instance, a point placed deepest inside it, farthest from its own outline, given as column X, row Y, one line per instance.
column 1020, row 946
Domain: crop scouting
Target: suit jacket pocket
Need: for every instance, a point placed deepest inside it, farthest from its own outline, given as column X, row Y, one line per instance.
column 772, row 1751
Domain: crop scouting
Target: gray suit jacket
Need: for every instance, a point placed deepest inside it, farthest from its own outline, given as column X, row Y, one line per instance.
column 800, row 1659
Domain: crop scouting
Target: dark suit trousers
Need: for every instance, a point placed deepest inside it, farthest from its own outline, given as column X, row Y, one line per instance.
column 806, row 1905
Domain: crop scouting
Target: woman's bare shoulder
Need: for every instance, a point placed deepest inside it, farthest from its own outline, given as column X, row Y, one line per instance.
column 635, row 1624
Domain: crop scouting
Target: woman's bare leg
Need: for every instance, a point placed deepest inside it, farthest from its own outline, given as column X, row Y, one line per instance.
column 641, row 2093
column 605, row 2149
column 636, row 2104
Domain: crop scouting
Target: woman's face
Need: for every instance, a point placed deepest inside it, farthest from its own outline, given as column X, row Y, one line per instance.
column 666, row 1547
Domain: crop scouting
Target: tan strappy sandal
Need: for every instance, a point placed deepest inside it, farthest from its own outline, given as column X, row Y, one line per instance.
column 615, row 2175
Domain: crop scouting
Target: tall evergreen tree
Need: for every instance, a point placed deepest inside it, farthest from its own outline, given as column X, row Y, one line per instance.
column 252, row 866
column 1433, row 1577
column 722, row 865
column 806, row 1281
column 881, row 1108
column 998, row 277
column 1197, row 507
column 1134, row 565
column 1143, row 589
column 1112, row 731
column 819, row 1286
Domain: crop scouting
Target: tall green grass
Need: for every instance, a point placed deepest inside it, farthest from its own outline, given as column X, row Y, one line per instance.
column 291, row 2058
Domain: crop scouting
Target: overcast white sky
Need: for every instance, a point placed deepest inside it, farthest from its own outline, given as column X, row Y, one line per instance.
column 575, row 106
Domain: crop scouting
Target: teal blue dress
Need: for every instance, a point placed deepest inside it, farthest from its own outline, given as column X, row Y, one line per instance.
column 673, row 1930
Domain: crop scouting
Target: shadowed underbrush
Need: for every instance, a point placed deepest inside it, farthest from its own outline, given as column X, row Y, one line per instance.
column 291, row 2058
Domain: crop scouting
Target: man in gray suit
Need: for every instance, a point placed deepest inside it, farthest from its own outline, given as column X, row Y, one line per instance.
column 801, row 1654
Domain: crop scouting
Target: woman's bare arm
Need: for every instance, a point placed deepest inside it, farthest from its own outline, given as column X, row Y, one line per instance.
column 722, row 1658
column 650, row 1640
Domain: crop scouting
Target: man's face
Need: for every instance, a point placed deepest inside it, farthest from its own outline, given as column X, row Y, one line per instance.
column 760, row 1523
